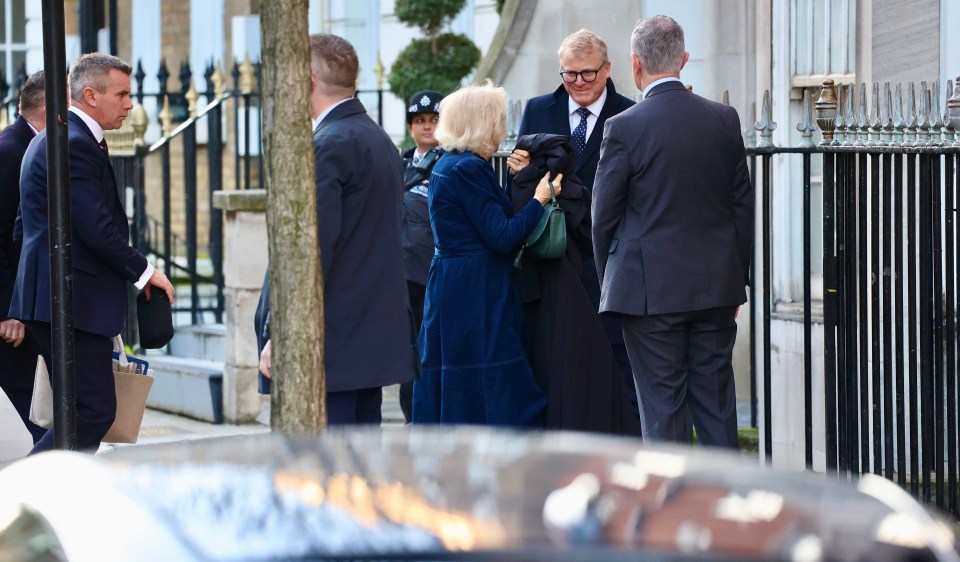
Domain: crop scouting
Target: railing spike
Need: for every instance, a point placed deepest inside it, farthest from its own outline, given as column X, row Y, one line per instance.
column 923, row 122
column 806, row 126
column 725, row 97
column 861, row 116
column 246, row 76
column 766, row 125
column 750, row 137
column 910, row 136
column 849, row 117
column 898, row 123
column 886, row 116
column 166, row 117
column 953, row 111
column 875, row 123
column 840, row 123
column 936, row 119
column 139, row 121
column 826, row 106
column 162, row 75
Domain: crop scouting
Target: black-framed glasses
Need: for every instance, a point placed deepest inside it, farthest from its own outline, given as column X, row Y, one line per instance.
column 570, row 76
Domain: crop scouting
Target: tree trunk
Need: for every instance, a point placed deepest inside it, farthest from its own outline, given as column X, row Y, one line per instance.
column 296, row 296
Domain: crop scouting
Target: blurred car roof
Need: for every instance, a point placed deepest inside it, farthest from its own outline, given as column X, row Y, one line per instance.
column 444, row 493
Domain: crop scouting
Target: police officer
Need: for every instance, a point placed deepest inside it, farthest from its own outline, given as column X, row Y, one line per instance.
column 423, row 112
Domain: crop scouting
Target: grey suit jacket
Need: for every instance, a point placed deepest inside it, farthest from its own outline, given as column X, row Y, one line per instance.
column 673, row 206
column 368, row 339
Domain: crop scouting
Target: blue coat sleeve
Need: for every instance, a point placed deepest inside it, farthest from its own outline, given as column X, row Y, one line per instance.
column 487, row 206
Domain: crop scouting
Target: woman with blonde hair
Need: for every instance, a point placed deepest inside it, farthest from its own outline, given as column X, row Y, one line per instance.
column 473, row 366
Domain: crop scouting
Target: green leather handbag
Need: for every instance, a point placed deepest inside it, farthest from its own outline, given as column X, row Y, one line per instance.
column 549, row 239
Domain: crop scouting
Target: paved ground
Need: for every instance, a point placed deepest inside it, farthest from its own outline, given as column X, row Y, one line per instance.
column 161, row 427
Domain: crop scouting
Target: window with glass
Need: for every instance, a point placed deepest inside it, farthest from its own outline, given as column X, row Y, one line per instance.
column 13, row 48
column 822, row 46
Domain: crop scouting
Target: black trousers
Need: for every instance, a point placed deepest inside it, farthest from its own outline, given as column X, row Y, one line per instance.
column 354, row 407
column 417, row 294
column 96, row 393
column 17, row 365
column 682, row 365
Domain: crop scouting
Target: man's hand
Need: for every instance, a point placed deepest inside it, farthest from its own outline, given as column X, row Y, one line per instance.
column 265, row 360
column 518, row 160
column 160, row 281
column 12, row 332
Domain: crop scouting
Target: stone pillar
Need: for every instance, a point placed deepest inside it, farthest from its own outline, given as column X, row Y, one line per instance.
column 245, row 262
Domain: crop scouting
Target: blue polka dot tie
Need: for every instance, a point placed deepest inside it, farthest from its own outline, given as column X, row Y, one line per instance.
column 580, row 133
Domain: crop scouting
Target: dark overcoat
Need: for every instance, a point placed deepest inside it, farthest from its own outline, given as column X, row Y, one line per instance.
column 102, row 259
column 16, row 363
column 563, row 337
column 473, row 366
column 368, row 339
column 549, row 113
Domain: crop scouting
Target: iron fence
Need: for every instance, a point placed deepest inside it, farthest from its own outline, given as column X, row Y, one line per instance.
column 889, row 173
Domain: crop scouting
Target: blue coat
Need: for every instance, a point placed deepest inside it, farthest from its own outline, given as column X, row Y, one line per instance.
column 473, row 366
column 103, row 261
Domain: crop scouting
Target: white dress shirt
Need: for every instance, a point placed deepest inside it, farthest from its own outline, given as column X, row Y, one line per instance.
column 656, row 83
column 325, row 112
column 595, row 109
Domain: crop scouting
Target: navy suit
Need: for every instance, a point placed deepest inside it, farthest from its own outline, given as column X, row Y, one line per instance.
column 550, row 113
column 368, row 340
column 103, row 263
column 672, row 235
column 16, row 363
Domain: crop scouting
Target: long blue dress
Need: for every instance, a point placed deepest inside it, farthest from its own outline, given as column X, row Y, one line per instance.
column 473, row 366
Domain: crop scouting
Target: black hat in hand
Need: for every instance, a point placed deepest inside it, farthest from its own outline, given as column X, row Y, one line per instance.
column 154, row 319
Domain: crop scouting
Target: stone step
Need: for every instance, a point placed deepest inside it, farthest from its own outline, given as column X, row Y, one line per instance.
column 207, row 341
column 187, row 386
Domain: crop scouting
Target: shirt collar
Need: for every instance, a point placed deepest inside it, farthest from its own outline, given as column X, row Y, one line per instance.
column 319, row 119
column 595, row 107
column 32, row 128
column 656, row 83
column 90, row 123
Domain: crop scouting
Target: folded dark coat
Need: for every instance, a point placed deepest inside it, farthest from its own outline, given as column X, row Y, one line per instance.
column 562, row 334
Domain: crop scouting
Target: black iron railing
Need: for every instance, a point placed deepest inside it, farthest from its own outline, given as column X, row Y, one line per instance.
column 889, row 256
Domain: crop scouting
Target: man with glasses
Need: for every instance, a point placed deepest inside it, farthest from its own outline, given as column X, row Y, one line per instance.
column 579, row 108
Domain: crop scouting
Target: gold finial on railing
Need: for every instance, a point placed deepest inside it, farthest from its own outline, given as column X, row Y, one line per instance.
column 4, row 118
column 217, row 80
column 166, row 117
column 378, row 71
column 826, row 107
column 139, row 121
column 247, row 77
column 191, row 97
column 689, row 87
column 725, row 98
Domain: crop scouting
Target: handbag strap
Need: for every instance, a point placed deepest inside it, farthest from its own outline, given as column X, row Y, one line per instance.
column 121, row 351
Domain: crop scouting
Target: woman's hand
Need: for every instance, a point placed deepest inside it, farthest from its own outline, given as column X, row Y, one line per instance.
column 543, row 188
column 518, row 160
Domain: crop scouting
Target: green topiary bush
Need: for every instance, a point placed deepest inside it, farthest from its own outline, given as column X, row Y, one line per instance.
column 418, row 67
column 440, row 60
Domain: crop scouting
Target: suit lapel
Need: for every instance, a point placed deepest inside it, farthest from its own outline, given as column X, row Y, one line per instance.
column 559, row 116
